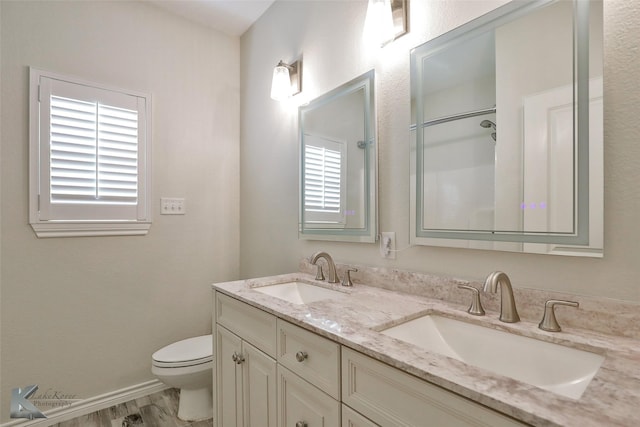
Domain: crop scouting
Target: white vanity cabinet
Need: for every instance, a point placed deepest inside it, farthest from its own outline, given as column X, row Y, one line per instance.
column 270, row 372
column 245, row 342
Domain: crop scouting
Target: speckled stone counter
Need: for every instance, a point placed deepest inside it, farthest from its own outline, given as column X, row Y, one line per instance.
column 355, row 316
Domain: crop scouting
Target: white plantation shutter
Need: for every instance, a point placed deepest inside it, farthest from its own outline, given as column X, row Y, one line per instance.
column 324, row 180
column 72, row 149
column 92, row 153
column 117, row 155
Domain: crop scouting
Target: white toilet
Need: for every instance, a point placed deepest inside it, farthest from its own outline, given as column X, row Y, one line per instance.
column 188, row 365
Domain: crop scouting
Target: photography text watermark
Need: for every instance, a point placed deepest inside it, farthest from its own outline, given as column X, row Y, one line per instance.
column 25, row 403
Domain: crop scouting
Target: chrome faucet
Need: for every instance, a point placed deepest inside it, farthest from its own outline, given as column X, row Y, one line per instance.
column 333, row 276
column 508, row 312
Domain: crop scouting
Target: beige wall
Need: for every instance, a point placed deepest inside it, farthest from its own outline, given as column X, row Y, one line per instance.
column 328, row 36
column 82, row 316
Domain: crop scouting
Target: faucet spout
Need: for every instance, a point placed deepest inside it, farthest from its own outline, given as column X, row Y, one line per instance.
column 508, row 312
column 333, row 276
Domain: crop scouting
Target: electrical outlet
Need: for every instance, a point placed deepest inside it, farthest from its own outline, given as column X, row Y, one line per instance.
column 388, row 245
column 172, row 206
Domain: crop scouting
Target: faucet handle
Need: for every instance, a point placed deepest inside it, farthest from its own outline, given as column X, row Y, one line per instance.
column 347, row 277
column 549, row 322
column 319, row 274
column 476, row 306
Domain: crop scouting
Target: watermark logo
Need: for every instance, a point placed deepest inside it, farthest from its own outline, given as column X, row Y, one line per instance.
column 51, row 398
column 21, row 407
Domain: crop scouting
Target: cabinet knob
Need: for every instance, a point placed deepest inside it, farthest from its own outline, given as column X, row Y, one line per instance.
column 301, row 424
column 300, row 357
column 238, row 358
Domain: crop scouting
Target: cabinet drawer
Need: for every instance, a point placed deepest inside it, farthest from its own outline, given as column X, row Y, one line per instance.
column 300, row 402
column 391, row 397
column 250, row 323
column 314, row 358
column 351, row 418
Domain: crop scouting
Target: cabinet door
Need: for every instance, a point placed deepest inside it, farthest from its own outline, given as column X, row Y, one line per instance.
column 301, row 404
column 229, row 379
column 259, row 388
column 351, row 418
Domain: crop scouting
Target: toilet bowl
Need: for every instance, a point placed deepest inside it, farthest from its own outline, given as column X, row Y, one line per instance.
column 188, row 365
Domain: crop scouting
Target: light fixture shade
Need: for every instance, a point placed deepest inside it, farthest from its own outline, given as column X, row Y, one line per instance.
column 281, row 83
column 386, row 21
column 381, row 21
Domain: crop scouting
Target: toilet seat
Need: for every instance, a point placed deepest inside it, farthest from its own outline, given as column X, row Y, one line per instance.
column 189, row 352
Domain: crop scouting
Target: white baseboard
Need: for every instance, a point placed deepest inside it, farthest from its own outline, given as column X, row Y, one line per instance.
column 92, row 404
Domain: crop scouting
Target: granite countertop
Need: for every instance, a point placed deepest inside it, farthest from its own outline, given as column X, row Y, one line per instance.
column 354, row 318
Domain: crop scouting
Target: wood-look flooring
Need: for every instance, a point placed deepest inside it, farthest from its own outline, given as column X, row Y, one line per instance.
column 156, row 410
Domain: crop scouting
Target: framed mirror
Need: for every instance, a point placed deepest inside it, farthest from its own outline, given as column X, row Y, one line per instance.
column 338, row 162
column 508, row 134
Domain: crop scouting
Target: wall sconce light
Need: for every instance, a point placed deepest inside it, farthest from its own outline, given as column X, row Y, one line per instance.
column 386, row 20
column 286, row 80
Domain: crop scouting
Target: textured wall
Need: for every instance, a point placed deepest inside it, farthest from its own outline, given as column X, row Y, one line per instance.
column 328, row 36
column 82, row 316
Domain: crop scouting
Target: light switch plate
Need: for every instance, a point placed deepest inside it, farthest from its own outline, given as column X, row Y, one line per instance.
column 172, row 206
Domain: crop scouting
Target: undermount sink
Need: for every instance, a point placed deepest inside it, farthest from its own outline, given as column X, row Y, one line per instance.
column 298, row 292
column 553, row 367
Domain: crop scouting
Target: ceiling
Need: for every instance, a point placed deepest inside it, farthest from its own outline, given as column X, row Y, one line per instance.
column 231, row 17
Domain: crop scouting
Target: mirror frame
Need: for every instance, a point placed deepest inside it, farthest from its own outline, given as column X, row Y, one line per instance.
column 491, row 20
column 368, row 234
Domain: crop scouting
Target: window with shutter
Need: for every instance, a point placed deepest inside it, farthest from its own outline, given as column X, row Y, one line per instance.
column 89, row 159
column 324, row 180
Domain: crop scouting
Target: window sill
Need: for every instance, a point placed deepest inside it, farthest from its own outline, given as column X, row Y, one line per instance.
column 89, row 229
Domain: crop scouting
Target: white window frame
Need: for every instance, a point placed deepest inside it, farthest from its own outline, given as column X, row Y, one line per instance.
column 65, row 219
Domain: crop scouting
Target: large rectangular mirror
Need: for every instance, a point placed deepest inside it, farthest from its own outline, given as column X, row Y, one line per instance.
column 338, row 161
column 508, row 134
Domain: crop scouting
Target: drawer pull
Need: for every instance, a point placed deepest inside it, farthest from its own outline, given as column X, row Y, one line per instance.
column 301, row 424
column 300, row 357
column 238, row 358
